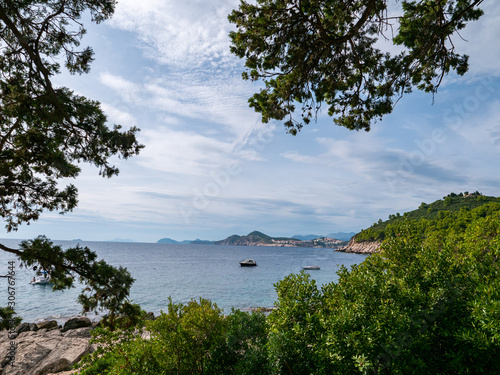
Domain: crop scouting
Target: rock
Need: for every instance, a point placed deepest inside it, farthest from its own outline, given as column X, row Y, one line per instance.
column 48, row 324
column 365, row 247
column 23, row 327
column 78, row 322
column 79, row 332
column 44, row 352
column 33, row 327
column 150, row 316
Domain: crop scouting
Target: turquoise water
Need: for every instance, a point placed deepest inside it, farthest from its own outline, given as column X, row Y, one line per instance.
column 180, row 271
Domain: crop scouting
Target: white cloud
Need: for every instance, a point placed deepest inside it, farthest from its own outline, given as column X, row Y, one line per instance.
column 218, row 99
column 181, row 152
column 479, row 40
column 129, row 91
column 295, row 156
column 118, row 116
column 179, row 33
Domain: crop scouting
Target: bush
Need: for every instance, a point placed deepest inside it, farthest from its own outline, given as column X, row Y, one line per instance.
column 412, row 309
column 188, row 339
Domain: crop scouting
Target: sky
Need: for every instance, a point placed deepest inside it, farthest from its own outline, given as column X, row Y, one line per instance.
column 211, row 169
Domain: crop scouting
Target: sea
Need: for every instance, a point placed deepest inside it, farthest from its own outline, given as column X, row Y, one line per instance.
column 182, row 272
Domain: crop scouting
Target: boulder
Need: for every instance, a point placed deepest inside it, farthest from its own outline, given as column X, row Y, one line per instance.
column 79, row 332
column 78, row 322
column 23, row 327
column 48, row 324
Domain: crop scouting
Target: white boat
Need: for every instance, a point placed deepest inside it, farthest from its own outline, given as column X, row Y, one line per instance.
column 248, row 263
column 310, row 267
column 42, row 279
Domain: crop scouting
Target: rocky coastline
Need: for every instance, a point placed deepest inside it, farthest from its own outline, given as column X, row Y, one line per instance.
column 45, row 348
column 364, row 247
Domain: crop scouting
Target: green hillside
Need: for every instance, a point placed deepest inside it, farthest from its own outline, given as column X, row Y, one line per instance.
column 451, row 214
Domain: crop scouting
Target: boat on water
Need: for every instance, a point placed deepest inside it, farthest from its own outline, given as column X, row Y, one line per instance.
column 42, row 279
column 310, row 267
column 248, row 263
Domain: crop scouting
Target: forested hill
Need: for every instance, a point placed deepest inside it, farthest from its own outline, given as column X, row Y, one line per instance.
column 452, row 213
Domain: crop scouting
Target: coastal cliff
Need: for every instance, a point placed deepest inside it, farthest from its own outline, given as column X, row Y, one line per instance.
column 364, row 247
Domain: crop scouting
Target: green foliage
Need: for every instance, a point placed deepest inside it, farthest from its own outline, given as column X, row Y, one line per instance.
column 244, row 351
column 188, row 334
column 7, row 318
column 188, row 339
column 313, row 52
column 451, row 214
column 121, row 352
column 294, row 327
column 46, row 131
column 416, row 308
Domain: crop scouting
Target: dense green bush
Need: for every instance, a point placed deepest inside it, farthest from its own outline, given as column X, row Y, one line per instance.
column 244, row 350
column 413, row 309
column 295, row 328
column 188, row 339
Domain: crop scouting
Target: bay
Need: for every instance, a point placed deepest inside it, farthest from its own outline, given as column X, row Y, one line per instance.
column 183, row 272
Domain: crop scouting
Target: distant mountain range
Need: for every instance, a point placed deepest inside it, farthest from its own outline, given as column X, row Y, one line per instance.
column 257, row 238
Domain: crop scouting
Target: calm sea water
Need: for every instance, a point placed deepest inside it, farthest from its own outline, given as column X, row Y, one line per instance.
column 180, row 271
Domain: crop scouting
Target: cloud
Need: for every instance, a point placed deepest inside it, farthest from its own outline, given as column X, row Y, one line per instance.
column 215, row 99
column 295, row 156
column 183, row 152
column 118, row 116
column 180, row 33
column 477, row 39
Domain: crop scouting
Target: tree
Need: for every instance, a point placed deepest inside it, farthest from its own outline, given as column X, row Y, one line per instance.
column 310, row 52
column 45, row 131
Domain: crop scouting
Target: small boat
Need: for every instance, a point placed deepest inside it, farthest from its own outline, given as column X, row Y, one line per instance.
column 42, row 279
column 310, row 268
column 248, row 263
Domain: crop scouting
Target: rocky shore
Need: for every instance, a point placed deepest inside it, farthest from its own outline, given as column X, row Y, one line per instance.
column 365, row 247
column 45, row 348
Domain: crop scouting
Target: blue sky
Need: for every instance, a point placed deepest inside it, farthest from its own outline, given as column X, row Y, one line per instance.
column 210, row 169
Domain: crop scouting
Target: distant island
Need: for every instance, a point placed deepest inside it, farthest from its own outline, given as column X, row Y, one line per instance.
column 257, row 238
